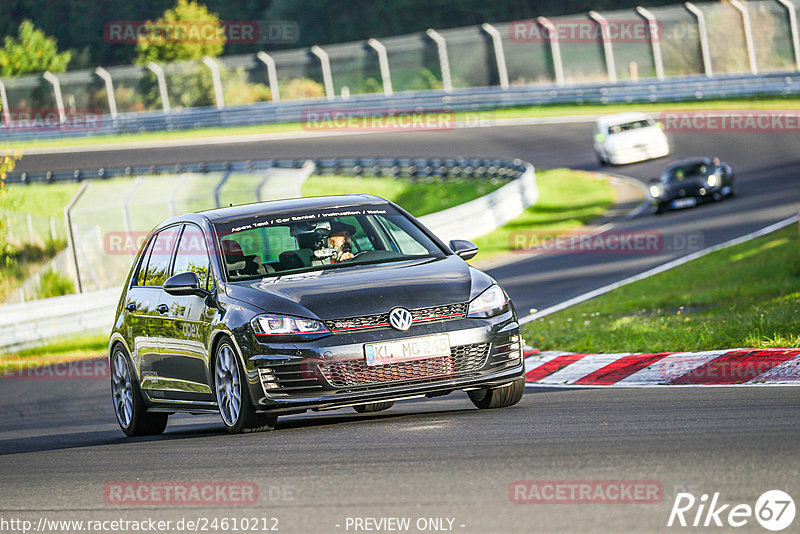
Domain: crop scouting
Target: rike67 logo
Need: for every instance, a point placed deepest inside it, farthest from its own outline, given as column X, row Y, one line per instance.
column 774, row 510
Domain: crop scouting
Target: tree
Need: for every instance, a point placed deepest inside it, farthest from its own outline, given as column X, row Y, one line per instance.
column 7, row 250
column 32, row 51
column 188, row 31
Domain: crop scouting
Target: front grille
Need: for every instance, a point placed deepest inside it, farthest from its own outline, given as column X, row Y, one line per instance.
column 351, row 373
column 381, row 320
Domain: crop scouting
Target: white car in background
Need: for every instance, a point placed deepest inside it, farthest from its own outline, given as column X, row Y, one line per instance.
column 627, row 138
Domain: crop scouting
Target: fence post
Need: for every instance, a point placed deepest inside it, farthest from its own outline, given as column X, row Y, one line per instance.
column 126, row 210
column 71, row 234
column 325, row 63
column 555, row 48
column 53, row 232
column 701, row 28
column 218, row 188
column 162, row 85
column 608, row 49
column 219, row 97
column 31, row 233
column 655, row 40
column 383, row 62
column 173, row 197
column 748, row 34
column 444, row 60
column 4, row 104
column 50, row 77
column 499, row 53
column 272, row 75
column 112, row 98
column 789, row 5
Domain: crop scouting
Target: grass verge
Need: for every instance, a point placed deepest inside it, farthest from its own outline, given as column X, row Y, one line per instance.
column 418, row 198
column 777, row 103
column 741, row 297
column 567, row 200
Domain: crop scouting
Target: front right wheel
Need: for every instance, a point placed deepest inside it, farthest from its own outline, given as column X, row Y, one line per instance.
column 498, row 397
column 233, row 394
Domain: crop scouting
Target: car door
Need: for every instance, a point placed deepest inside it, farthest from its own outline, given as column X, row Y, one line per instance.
column 187, row 323
column 149, row 310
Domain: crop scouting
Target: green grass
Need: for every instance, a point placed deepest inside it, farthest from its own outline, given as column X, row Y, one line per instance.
column 567, row 200
column 790, row 102
column 418, row 198
column 745, row 296
column 67, row 349
column 47, row 200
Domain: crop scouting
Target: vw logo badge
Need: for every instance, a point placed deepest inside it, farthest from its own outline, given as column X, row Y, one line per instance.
column 400, row 319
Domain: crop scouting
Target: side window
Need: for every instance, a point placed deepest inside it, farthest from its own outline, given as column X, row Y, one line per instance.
column 192, row 254
column 142, row 269
column 160, row 256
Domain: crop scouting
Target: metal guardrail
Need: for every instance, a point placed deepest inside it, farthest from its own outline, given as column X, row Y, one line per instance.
column 458, row 100
column 412, row 168
column 27, row 324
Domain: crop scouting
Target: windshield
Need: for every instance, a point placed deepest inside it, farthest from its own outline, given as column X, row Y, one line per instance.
column 633, row 125
column 693, row 170
column 273, row 245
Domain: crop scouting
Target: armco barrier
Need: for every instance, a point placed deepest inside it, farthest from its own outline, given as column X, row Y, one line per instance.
column 27, row 324
column 686, row 88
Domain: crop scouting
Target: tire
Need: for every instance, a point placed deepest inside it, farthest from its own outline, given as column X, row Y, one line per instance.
column 499, row 397
column 129, row 406
column 659, row 209
column 233, row 395
column 600, row 159
column 373, row 407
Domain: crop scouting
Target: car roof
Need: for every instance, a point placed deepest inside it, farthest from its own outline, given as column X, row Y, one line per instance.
column 689, row 161
column 276, row 207
column 621, row 118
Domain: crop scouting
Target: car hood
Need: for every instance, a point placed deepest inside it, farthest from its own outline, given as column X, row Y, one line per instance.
column 688, row 184
column 364, row 289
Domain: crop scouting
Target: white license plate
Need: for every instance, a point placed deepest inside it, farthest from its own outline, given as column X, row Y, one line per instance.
column 684, row 203
column 403, row 350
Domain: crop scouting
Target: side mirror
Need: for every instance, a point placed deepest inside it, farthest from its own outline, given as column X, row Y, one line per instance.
column 184, row 284
column 466, row 250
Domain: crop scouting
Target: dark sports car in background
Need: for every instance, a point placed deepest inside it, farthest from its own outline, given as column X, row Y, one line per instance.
column 689, row 182
column 317, row 303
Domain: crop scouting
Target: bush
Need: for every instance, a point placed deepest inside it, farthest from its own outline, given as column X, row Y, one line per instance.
column 55, row 284
column 301, row 88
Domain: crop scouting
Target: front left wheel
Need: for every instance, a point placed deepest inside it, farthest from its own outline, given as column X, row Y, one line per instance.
column 129, row 407
column 233, row 394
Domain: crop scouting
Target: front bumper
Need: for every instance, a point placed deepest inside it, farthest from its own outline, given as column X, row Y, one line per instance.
column 332, row 372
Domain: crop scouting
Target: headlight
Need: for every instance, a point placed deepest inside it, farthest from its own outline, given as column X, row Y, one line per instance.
column 491, row 302
column 712, row 180
column 283, row 325
column 655, row 191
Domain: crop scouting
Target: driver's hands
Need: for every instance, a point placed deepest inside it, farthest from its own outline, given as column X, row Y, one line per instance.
column 347, row 256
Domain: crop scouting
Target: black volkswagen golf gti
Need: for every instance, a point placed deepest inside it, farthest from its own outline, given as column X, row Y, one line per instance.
column 318, row 303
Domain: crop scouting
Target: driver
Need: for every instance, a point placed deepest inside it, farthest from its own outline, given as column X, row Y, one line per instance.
column 340, row 239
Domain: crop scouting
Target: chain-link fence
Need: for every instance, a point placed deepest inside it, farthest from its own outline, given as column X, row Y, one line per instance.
column 688, row 39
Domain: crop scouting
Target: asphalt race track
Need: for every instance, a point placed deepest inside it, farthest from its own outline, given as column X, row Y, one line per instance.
column 60, row 445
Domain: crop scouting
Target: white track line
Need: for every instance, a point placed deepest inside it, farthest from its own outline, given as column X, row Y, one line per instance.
column 657, row 270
